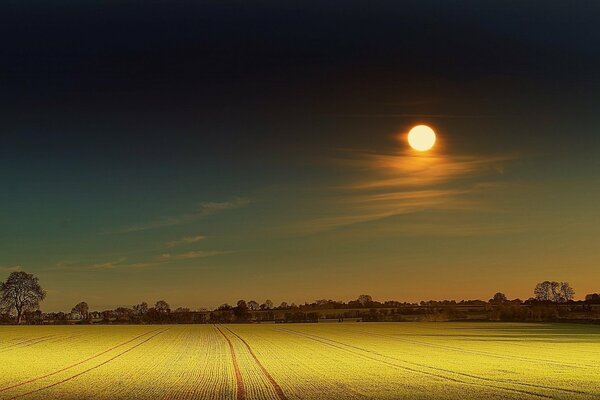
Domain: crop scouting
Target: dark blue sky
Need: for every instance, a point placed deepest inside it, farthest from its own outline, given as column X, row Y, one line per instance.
column 210, row 150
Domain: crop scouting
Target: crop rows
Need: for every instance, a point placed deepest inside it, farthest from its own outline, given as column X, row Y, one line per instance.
column 301, row 361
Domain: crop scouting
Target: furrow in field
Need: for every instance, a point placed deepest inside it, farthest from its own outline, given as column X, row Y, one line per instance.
column 337, row 344
column 26, row 343
column 200, row 375
column 240, row 388
column 180, row 389
column 32, row 342
column 533, row 385
column 304, row 369
column 479, row 352
column 89, row 369
column 269, row 377
column 75, row 364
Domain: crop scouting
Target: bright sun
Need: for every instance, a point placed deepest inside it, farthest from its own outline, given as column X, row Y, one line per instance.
column 421, row 138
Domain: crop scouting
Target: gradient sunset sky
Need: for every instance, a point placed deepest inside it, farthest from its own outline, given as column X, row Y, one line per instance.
column 207, row 151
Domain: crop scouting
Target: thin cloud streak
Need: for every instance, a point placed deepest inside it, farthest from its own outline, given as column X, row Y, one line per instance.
column 407, row 170
column 405, row 183
column 107, row 265
column 121, row 263
column 185, row 241
column 204, row 210
column 190, row 255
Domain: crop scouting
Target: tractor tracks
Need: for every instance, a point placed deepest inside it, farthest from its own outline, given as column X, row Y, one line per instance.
column 239, row 380
column 477, row 352
column 441, row 373
column 153, row 334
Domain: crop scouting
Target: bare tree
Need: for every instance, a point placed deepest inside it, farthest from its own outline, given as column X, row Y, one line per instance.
column 543, row 291
column 566, row 291
column 555, row 289
column 558, row 292
column 21, row 292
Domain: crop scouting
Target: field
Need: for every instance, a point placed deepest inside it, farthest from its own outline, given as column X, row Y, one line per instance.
column 301, row 361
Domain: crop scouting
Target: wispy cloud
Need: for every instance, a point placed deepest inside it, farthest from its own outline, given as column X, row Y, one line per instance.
column 406, row 170
column 407, row 183
column 185, row 241
column 125, row 263
column 190, row 255
column 203, row 210
column 108, row 265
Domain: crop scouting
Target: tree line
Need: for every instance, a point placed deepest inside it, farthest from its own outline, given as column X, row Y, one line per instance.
column 21, row 295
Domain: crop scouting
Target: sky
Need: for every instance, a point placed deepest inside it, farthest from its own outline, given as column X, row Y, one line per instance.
column 207, row 151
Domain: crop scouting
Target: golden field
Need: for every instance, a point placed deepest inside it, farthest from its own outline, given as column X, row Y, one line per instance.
column 301, row 361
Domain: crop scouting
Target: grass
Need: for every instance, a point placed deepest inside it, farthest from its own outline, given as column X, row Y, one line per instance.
column 302, row 361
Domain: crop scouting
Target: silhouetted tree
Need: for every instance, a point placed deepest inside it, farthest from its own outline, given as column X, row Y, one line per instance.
column 268, row 304
column 33, row 317
column 566, row 292
column 21, row 292
column 123, row 313
column 223, row 314
column 140, row 309
column 162, row 307
column 543, row 291
column 498, row 298
column 106, row 315
column 253, row 305
column 241, row 311
column 557, row 292
column 593, row 298
column 82, row 309
column 364, row 300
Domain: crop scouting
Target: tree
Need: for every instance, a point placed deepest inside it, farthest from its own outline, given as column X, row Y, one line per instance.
column 364, row 299
column 543, row 291
column 141, row 309
column 162, row 307
column 241, row 311
column 557, row 292
column 82, row 309
column 21, row 292
column 592, row 298
column 253, row 305
column 566, row 292
column 123, row 313
column 498, row 298
column 283, row 305
column 268, row 304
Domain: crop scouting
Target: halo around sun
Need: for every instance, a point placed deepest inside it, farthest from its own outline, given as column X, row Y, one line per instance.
column 421, row 138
